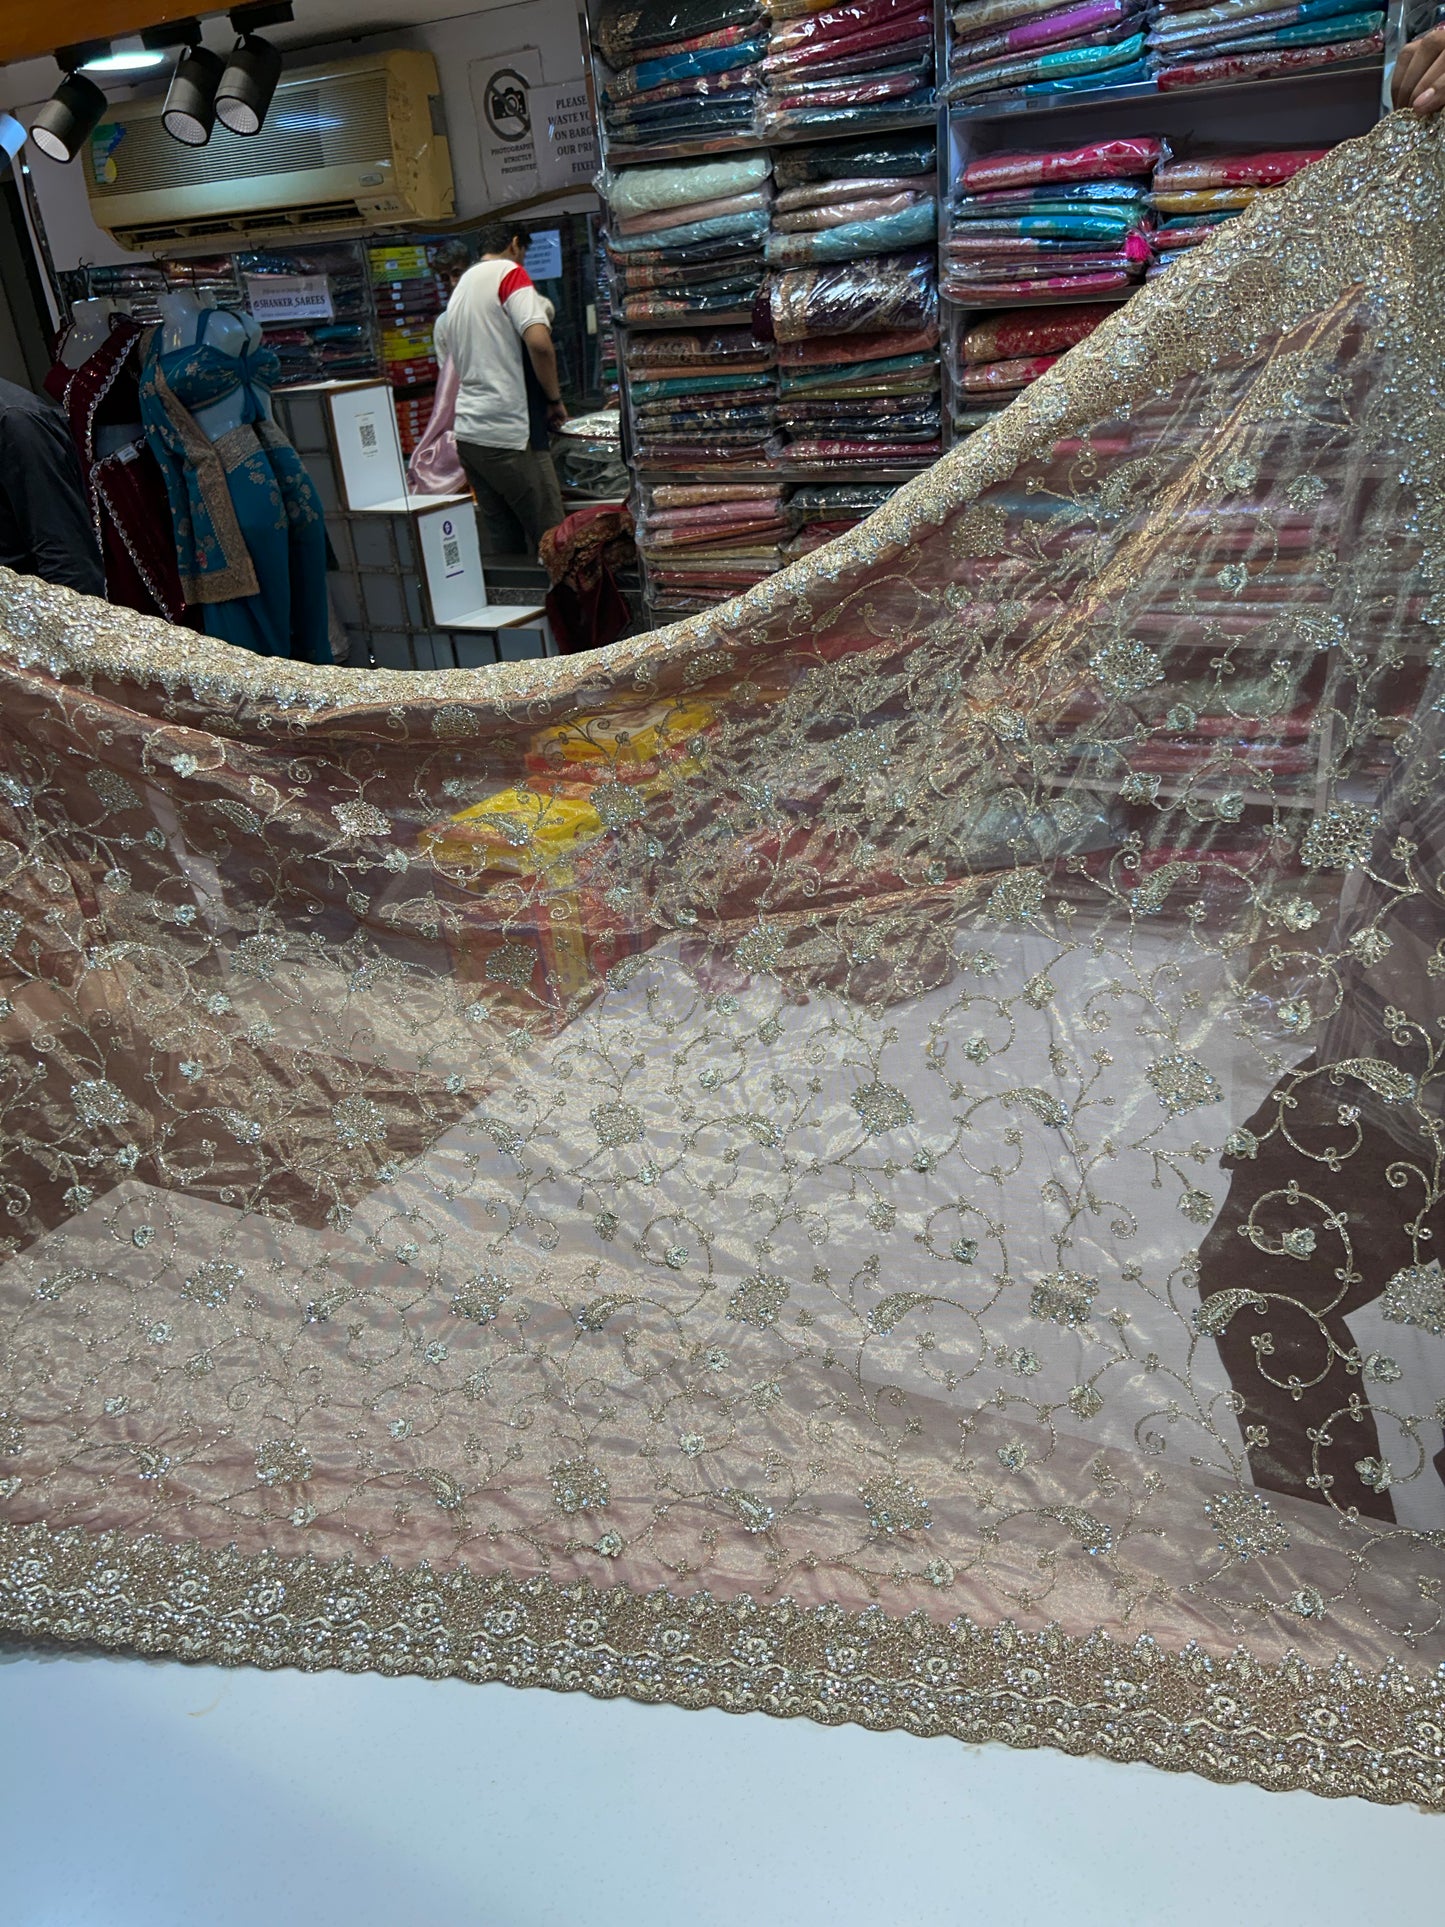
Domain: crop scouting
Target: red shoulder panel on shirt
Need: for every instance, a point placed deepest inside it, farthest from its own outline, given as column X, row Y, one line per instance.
column 513, row 280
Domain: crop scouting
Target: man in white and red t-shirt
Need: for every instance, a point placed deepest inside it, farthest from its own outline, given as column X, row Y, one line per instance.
column 494, row 318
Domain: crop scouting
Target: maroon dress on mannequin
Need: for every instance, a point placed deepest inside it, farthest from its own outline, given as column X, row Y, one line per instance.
column 127, row 496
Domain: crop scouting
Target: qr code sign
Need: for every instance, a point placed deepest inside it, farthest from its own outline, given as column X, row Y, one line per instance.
column 451, row 554
column 368, row 434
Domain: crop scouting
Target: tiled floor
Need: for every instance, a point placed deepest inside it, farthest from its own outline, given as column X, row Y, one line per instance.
column 138, row 1794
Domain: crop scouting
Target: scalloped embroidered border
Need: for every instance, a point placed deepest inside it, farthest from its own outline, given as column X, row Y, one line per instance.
column 1333, row 1731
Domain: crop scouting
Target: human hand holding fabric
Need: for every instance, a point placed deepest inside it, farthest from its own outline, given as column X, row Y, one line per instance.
column 1418, row 81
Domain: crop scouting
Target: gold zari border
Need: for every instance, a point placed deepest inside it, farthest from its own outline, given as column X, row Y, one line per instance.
column 1333, row 1731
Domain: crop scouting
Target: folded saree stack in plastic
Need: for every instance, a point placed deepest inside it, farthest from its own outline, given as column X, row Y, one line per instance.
column 701, row 398
column 1002, row 354
column 858, row 377
column 681, row 70
column 1044, row 48
column 848, row 65
column 1236, row 40
column 1071, row 225
column 687, row 239
column 820, row 511
column 1193, row 198
column 704, row 542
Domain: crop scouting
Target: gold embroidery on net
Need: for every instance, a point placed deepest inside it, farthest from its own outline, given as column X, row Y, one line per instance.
column 1327, row 1730
column 1356, row 240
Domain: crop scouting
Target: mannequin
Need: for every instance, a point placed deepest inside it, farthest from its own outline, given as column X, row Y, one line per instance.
column 96, row 380
column 249, row 533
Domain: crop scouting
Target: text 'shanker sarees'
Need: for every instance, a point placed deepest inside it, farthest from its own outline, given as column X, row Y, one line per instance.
column 876, row 1154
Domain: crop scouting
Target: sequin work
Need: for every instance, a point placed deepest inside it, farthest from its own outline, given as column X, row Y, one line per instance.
column 876, row 1154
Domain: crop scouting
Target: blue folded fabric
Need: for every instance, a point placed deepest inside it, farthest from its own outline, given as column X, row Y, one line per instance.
column 885, row 235
column 754, row 225
column 711, row 60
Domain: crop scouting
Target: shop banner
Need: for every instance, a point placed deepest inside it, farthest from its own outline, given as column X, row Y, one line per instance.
column 289, row 297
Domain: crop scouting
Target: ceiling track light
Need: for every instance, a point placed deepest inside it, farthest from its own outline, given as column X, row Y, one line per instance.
column 71, row 115
column 190, row 110
column 252, row 69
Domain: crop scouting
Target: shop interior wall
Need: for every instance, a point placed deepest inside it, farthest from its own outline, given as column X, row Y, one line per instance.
column 550, row 26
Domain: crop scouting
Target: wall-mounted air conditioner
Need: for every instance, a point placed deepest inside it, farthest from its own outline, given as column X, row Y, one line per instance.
column 357, row 143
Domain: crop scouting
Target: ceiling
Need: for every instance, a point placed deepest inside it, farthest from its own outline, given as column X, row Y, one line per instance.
column 316, row 21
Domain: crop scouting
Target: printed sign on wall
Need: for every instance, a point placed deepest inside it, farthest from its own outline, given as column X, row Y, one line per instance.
column 289, row 297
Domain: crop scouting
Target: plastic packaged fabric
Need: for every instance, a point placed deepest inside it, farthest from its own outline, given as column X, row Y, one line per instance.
column 648, row 190
column 1205, row 200
column 1045, row 264
column 1066, row 64
column 661, row 220
column 721, row 344
column 675, row 495
column 831, row 24
column 754, row 226
column 848, row 91
column 704, row 122
column 1137, row 73
column 1096, row 225
column 1231, row 20
column 881, row 294
column 1070, row 24
column 1006, row 337
column 1000, row 376
column 987, row 16
column 1267, row 66
column 626, row 29
column 699, row 384
column 1064, row 287
column 824, row 194
column 699, row 255
column 647, row 75
column 847, row 349
column 876, row 39
column 914, row 52
column 814, row 220
column 855, row 160
column 1315, row 33
column 886, row 236
column 644, row 108
column 1095, row 160
column 663, row 307
column 1063, row 197
column 811, row 380
column 1236, row 170
column 844, row 451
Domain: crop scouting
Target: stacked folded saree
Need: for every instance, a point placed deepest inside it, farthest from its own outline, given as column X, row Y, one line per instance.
column 848, row 65
column 1236, row 40
column 861, row 399
column 681, row 70
column 699, row 398
column 1044, row 47
column 687, row 239
column 1192, row 199
column 1004, row 353
column 1068, row 225
column 705, row 542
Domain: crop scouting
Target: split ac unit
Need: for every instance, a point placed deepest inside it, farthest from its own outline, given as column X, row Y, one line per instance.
column 354, row 144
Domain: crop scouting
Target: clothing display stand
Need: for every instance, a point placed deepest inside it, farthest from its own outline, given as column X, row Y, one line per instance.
column 399, row 612
column 1308, row 109
column 787, row 476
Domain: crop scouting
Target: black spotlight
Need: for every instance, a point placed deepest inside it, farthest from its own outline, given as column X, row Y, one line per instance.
column 248, row 84
column 190, row 110
column 68, row 118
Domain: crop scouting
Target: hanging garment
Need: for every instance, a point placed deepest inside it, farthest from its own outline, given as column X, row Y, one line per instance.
column 435, row 467
column 582, row 555
column 873, row 1154
column 127, row 496
column 249, row 531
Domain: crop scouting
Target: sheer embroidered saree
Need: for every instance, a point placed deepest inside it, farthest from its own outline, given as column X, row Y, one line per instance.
column 874, row 1154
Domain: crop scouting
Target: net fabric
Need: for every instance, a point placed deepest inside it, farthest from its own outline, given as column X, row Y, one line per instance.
column 873, row 1153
